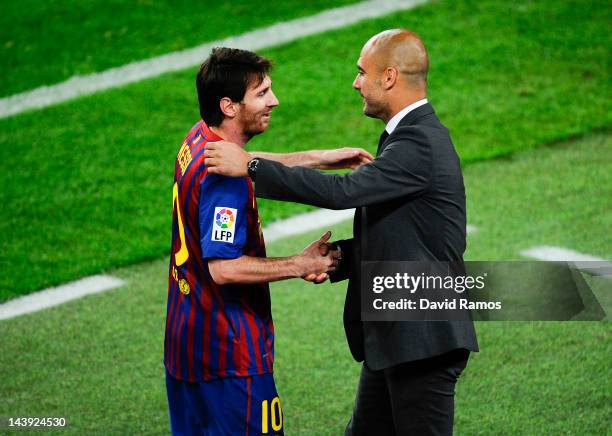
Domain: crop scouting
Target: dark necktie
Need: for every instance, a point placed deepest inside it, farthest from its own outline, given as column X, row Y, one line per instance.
column 384, row 135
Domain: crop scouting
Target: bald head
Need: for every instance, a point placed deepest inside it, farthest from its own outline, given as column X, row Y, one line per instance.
column 403, row 50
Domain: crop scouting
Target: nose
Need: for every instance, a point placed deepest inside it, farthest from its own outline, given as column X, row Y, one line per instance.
column 273, row 100
column 356, row 83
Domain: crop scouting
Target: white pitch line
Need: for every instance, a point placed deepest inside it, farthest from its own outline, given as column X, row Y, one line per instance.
column 558, row 254
column 595, row 265
column 44, row 299
column 317, row 219
column 55, row 296
column 305, row 222
column 274, row 35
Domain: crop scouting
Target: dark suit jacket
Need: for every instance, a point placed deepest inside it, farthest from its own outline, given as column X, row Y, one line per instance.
column 410, row 206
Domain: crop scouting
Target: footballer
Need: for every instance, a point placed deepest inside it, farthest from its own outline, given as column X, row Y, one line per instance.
column 219, row 337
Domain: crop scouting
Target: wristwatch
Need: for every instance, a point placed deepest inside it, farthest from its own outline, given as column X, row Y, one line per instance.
column 252, row 168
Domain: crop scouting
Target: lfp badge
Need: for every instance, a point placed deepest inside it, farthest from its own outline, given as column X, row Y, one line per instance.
column 223, row 224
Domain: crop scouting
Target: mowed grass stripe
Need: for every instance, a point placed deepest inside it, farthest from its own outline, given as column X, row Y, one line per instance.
column 86, row 185
column 99, row 360
column 42, row 43
column 270, row 36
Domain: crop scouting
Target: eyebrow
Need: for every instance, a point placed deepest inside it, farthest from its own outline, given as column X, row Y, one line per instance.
column 269, row 83
column 263, row 89
column 259, row 88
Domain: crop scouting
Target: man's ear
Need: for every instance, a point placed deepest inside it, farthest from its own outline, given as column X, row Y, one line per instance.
column 228, row 107
column 389, row 77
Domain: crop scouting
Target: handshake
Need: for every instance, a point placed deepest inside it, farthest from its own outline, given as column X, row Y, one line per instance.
column 318, row 259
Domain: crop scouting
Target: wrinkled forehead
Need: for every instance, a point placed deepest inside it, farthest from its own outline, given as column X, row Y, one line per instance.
column 368, row 57
column 366, row 51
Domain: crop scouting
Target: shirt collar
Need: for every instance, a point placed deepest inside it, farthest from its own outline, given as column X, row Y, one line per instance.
column 393, row 122
column 209, row 134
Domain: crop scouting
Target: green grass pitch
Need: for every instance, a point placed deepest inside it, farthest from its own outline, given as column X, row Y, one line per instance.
column 48, row 42
column 86, row 187
column 99, row 360
column 86, row 184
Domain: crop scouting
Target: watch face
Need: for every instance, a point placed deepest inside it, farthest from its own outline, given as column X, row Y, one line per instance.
column 252, row 167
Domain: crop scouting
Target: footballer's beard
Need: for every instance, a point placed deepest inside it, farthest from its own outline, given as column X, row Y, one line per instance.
column 255, row 123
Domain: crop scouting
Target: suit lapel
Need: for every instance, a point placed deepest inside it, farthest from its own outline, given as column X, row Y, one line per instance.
column 383, row 137
column 408, row 120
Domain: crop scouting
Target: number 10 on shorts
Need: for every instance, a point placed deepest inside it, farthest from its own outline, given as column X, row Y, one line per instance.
column 271, row 413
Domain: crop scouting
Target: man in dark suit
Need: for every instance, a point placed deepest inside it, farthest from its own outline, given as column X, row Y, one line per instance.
column 410, row 204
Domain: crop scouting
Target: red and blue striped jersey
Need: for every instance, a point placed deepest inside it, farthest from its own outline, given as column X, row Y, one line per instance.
column 212, row 330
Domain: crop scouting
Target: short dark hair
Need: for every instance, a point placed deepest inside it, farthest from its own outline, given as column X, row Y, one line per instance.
column 227, row 72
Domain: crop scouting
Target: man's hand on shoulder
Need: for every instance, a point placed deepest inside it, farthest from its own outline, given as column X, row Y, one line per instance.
column 226, row 158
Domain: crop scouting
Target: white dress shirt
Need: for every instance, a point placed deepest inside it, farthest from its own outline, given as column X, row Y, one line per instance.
column 393, row 122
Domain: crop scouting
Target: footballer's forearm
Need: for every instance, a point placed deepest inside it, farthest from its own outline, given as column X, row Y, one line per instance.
column 308, row 159
column 249, row 270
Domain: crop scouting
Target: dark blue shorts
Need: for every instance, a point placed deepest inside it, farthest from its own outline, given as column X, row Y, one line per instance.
column 227, row 406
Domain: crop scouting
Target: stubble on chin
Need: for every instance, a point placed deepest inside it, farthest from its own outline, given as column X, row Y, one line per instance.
column 375, row 110
column 255, row 125
column 370, row 112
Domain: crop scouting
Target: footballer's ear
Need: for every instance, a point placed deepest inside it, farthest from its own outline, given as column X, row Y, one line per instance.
column 228, row 107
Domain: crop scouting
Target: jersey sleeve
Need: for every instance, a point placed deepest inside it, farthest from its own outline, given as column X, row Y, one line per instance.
column 223, row 216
